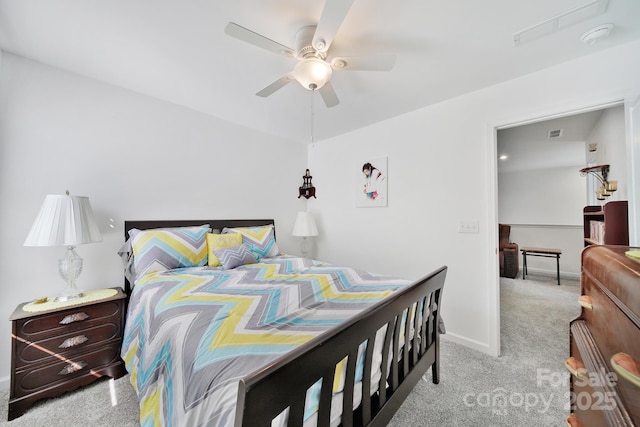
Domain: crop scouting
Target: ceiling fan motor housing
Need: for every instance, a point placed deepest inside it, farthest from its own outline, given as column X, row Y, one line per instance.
column 303, row 43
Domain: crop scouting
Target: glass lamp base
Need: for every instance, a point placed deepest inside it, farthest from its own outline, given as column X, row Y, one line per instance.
column 304, row 247
column 67, row 296
column 70, row 268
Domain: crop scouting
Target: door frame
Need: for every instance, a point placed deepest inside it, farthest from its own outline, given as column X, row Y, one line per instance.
column 632, row 122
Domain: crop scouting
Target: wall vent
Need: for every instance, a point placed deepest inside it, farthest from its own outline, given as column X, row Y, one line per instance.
column 555, row 133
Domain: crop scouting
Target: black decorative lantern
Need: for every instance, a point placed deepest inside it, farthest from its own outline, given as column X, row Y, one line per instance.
column 307, row 190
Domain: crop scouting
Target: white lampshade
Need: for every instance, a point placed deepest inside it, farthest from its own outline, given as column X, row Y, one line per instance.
column 312, row 73
column 64, row 220
column 305, row 225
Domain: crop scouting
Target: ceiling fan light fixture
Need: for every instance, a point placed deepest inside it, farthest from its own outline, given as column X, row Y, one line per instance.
column 312, row 73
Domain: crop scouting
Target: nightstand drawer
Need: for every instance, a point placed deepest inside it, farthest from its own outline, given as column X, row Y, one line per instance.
column 50, row 375
column 66, row 345
column 45, row 326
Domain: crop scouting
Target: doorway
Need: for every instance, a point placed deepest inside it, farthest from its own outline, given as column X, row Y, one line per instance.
column 541, row 191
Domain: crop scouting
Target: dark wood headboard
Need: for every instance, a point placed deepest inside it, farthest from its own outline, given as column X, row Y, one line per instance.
column 216, row 224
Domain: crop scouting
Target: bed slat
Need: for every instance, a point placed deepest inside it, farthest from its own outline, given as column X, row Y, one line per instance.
column 384, row 368
column 395, row 365
column 326, row 391
column 349, row 383
column 366, row 378
column 423, row 329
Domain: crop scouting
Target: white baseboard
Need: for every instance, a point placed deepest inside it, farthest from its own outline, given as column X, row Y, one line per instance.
column 473, row 344
column 550, row 273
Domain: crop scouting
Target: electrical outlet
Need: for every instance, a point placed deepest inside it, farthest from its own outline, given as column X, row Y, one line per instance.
column 468, row 227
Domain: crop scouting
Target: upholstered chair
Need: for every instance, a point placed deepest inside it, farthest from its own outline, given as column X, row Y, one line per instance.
column 508, row 253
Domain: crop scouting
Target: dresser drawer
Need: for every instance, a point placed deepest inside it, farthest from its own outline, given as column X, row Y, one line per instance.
column 584, row 402
column 65, row 345
column 614, row 332
column 37, row 328
column 595, row 397
column 35, row 379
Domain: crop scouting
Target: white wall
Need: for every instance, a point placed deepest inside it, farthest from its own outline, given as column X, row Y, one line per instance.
column 544, row 209
column 552, row 196
column 136, row 158
column 442, row 164
column 609, row 134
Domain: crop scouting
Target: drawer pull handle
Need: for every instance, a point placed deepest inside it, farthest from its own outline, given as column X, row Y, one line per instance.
column 72, row 342
column 627, row 367
column 75, row 317
column 576, row 367
column 572, row 421
column 72, row 367
column 585, row 302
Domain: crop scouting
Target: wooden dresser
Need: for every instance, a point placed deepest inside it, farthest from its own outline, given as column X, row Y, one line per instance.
column 605, row 341
column 58, row 350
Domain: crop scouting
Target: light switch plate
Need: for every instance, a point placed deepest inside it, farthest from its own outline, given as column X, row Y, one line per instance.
column 469, row 227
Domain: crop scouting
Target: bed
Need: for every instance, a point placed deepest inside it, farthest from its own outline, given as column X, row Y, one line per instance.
column 270, row 340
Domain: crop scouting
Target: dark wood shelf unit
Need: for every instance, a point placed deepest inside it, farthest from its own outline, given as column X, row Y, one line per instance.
column 615, row 216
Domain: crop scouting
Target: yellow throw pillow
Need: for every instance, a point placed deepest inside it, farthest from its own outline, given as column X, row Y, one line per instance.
column 215, row 242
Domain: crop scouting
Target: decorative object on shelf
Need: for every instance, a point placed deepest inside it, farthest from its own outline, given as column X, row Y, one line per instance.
column 601, row 172
column 304, row 227
column 65, row 220
column 307, row 190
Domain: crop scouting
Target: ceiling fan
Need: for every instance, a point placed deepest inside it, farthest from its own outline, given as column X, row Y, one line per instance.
column 315, row 66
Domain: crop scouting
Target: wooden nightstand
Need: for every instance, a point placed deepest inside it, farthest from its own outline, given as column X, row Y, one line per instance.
column 61, row 349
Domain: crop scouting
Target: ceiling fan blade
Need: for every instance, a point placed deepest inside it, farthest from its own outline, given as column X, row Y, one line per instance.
column 333, row 14
column 278, row 84
column 329, row 95
column 241, row 33
column 364, row 63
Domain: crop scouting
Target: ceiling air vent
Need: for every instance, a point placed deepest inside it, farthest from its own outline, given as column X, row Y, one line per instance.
column 559, row 22
column 555, row 133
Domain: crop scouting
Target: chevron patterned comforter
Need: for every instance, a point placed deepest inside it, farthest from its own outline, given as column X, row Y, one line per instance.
column 192, row 333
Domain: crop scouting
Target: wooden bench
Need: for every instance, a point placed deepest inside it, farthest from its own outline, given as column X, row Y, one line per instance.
column 542, row 252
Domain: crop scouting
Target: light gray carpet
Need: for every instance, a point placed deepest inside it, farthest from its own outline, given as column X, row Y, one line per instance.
column 529, row 375
column 526, row 386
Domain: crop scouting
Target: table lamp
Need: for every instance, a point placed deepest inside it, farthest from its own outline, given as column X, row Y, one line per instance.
column 305, row 227
column 65, row 220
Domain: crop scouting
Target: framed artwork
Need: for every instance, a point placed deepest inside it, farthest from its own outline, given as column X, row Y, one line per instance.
column 371, row 183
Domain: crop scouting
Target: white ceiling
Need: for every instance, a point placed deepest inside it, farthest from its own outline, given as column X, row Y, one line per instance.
column 177, row 51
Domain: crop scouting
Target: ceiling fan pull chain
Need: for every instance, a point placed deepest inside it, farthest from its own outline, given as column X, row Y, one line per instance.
column 311, row 118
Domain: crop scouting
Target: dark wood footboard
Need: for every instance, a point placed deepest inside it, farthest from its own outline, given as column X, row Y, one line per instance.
column 263, row 395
